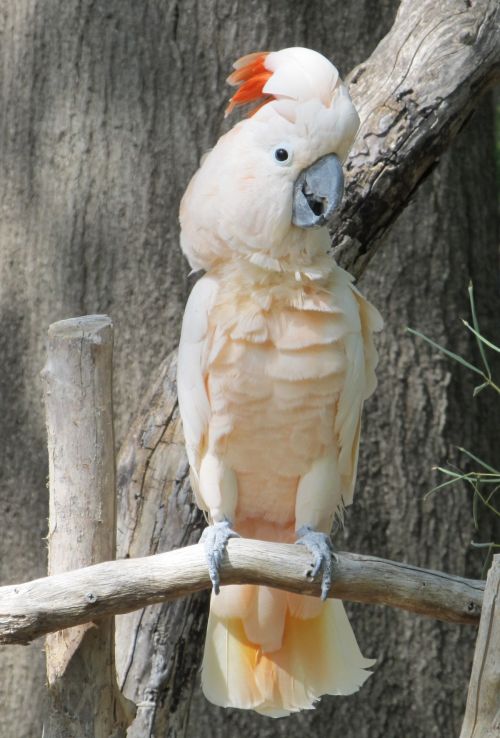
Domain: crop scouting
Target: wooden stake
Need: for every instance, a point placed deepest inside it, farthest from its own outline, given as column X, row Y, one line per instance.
column 84, row 699
column 482, row 713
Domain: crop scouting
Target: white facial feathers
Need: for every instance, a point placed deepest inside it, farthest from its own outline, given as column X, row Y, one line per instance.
column 239, row 203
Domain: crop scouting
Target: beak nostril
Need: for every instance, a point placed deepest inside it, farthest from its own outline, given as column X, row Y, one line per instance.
column 317, row 204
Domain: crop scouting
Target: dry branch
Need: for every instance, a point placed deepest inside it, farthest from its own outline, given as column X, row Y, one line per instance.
column 44, row 605
column 413, row 94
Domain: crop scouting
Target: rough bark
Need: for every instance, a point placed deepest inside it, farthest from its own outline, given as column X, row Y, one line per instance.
column 107, row 107
column 413, row 95
column 158, row 653
column 115, row 587
column 84, row 699
column 482, row 714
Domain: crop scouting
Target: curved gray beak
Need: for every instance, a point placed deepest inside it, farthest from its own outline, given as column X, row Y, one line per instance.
column 317, row 192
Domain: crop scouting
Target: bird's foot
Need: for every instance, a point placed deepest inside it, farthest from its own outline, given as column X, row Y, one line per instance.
column 321, row 547
column 214, row 539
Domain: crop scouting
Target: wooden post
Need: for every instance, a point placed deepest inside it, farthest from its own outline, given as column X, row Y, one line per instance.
column 84, row 698
column 482, row 713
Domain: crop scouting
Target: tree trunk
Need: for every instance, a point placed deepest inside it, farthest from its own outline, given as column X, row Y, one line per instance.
column 107, row 107
column 158, row 648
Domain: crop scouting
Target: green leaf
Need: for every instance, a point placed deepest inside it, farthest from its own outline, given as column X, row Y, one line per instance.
column 451, row 355
column 485, row 545
column 450, row 473
column 481, row 339
column 439, row 486
column 478, row 460
column 493, row 492
column 475, row 505
column 480, row 388
column 476, row 327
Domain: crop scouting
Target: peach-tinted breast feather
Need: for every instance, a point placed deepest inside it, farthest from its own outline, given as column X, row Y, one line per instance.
column 285, row 368
column 280, row 368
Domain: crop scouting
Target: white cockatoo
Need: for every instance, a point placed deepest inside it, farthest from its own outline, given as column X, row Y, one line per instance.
column 275, row 361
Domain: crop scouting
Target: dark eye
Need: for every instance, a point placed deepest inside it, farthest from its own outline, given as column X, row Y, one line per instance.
column 281, row 155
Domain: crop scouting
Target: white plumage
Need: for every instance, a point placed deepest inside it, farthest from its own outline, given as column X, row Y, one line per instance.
column 275, row 361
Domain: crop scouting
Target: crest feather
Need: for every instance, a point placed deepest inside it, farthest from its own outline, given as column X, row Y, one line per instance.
column 293, row 75
column 250, row 76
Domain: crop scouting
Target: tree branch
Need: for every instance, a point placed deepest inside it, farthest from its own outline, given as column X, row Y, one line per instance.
column 413, row 94
column 35, row 608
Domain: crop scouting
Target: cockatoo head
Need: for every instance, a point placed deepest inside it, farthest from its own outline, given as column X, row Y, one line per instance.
column 277, row 175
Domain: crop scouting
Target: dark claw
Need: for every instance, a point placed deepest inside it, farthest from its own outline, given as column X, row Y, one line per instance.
column 215, row 539
column 321, row 547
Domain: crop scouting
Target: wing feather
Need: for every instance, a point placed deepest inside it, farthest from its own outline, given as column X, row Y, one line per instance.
column 194, row 404
column 360, row 382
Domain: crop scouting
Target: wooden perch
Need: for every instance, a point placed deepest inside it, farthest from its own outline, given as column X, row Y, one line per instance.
column 60, row 601
column 82, row 524
column 482, row 714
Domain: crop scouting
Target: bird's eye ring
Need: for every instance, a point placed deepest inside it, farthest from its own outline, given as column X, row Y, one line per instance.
column 283, row 155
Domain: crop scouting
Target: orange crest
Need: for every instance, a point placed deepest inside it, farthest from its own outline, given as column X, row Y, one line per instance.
column 250, row 76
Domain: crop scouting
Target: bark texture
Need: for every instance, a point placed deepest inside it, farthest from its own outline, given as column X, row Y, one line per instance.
column 158, row 648
column 107, row 107
column 413, row 95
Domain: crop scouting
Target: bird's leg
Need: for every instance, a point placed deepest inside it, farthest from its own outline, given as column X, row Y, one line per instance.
column 219, row 491
column 321, row 547
column 315, row 507
column 214, row 539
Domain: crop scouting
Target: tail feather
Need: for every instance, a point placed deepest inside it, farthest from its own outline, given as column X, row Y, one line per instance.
column 318, row 655
column 228, row 665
